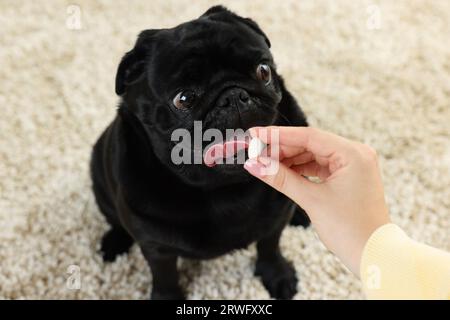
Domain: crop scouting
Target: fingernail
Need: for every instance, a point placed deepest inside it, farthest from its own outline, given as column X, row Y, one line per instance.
column 254, row 168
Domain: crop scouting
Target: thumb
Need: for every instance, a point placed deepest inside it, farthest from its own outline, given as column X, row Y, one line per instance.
column 282, row 178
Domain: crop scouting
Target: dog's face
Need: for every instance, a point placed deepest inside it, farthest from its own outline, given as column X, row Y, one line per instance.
column 216, row 69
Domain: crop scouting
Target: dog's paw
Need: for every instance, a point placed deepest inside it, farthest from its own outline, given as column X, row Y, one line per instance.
column 173, row 294
column 300, row 218
column 114, row 243
column 278, row 276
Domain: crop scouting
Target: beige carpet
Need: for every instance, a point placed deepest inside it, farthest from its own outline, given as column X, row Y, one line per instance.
column 377, row 73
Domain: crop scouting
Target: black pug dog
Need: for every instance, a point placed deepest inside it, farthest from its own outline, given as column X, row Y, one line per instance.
column 216, row 69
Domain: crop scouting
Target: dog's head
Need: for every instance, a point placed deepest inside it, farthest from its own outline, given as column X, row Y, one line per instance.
column 216, row 69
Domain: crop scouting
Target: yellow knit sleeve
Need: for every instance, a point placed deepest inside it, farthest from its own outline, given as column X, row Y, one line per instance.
column 393, row 266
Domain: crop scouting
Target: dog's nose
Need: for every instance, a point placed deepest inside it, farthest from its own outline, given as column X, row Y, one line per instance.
column 235, row 96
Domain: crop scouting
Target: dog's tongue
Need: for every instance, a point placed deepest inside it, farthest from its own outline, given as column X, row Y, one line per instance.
column 217, row 152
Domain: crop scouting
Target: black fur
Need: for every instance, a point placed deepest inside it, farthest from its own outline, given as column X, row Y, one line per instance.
column 193, row 211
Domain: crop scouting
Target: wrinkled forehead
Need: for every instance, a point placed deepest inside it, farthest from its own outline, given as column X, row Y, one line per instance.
column 198, row 50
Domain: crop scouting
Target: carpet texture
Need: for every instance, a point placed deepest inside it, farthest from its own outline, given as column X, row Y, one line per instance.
column 376, row 71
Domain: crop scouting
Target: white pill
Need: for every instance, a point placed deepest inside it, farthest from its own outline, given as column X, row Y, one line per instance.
column 255, row 148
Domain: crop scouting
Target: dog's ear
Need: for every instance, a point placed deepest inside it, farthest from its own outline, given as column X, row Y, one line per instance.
column 220, row 13
column 132, row 65
column 254, row 26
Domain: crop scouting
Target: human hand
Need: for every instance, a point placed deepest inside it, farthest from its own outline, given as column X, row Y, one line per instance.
column 347, row 205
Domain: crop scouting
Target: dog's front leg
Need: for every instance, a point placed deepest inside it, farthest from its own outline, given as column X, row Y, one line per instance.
column 165, row 274
column 277, row 274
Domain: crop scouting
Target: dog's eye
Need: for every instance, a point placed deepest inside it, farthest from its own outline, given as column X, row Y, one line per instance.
column 184, row 99
column 264, row 73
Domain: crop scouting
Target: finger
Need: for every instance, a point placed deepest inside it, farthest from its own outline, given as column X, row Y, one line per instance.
column 312, row 169
column 281, row 178
column 298, row 159
column 281, row 151
column 319, row 142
